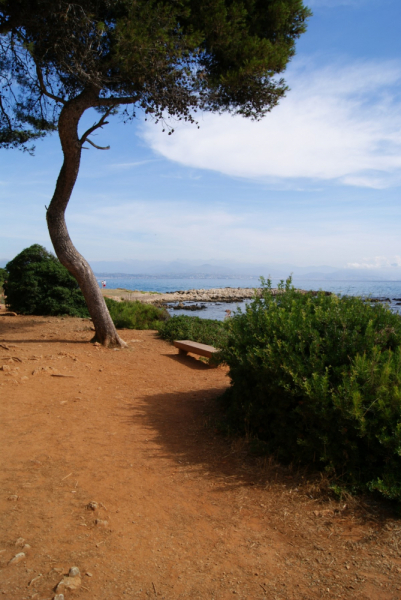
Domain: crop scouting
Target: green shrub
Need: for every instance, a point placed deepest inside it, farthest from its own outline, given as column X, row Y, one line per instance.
column 135, row 315
column 204, row 331
column 318, row 379
column 38, row 284
column 3, row 276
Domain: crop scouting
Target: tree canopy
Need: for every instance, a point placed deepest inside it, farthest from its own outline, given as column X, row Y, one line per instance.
column 164, row 57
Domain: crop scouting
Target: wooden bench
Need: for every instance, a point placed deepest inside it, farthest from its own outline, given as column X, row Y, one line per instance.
column 186, row 346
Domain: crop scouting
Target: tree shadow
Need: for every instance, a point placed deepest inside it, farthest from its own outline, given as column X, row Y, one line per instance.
column 41, row 341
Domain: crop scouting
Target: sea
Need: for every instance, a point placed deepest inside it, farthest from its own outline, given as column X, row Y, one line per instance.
column 386, row 291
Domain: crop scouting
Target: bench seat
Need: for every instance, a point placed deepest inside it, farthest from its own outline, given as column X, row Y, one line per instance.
column 186, row 346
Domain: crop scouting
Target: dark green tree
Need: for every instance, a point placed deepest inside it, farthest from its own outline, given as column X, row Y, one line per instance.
column 38, row 284
column 163, row 58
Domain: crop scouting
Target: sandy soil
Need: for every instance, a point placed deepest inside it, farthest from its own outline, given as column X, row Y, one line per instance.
column 180, row 512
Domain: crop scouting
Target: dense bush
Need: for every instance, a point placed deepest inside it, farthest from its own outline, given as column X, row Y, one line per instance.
column 135, row 315
column 38, row 284
column 204, row 331
column 318, row 379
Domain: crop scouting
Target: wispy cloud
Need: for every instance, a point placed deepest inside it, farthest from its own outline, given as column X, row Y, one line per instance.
column 340, row 122
column 131, row 165
column 193, row 230
column 377, row 262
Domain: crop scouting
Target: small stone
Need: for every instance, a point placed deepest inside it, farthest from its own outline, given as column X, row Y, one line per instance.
column 92, row 505
column 17, row 558
column 5, row 368
column 13, row 498
column 59, row 597
column 26, row 548
column 73, row 572
column 69, row 583
column 20, row 542
column 89, row 574
column 101, row 523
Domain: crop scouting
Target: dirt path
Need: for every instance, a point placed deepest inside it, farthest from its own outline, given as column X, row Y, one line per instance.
column 181, row 513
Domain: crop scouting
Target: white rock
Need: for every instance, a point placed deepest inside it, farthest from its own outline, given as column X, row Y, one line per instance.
column 101, row 523
column 69, row 583
column 17, row 558
column 74, row 571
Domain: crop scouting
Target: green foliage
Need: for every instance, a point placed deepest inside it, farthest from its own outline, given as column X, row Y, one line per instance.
column 38, row 284
column 162, row 57
column 135, row 315
column 3, row 276
column 204, row 331
column 318, row 379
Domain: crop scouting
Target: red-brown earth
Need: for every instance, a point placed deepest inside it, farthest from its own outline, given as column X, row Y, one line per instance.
column 180, row 511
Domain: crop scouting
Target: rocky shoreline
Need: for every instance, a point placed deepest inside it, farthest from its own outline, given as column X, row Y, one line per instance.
column 202, row 295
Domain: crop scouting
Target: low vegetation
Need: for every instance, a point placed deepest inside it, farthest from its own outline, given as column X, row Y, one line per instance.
column 135, row 315
column 317, row 379
column 205, row 331
column 3, row 278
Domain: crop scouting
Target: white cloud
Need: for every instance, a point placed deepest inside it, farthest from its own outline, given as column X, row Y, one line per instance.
column 378, row 262
column 130, row 165
column 339, row 123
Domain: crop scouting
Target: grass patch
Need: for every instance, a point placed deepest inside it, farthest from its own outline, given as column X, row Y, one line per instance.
column 205, row 331
column 135, row 315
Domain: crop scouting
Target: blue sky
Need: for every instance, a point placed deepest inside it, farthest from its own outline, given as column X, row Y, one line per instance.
column 317, row 181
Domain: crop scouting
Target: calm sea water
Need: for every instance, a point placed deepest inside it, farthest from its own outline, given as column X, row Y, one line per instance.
column 376, row 289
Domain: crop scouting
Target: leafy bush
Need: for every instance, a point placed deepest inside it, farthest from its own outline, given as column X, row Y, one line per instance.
column 135, row 315
column 318, row 379
column 204, row 331
column 3, row 276
column 38, row 284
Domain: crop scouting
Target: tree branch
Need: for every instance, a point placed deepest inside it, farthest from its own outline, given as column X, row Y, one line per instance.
column 43, row 87
column 96, row 146
column 115, row 101
column 97, row 125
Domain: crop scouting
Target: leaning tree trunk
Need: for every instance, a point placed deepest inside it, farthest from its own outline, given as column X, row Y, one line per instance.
column 67, row 254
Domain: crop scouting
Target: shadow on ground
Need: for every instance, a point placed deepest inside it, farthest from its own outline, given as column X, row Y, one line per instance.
column 187, row 428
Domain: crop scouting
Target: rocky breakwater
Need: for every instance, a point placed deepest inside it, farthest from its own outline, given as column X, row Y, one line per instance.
column 212, row 295
column 215, row 295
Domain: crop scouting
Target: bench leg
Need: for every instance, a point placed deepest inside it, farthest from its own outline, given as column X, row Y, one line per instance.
column 182, row 352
